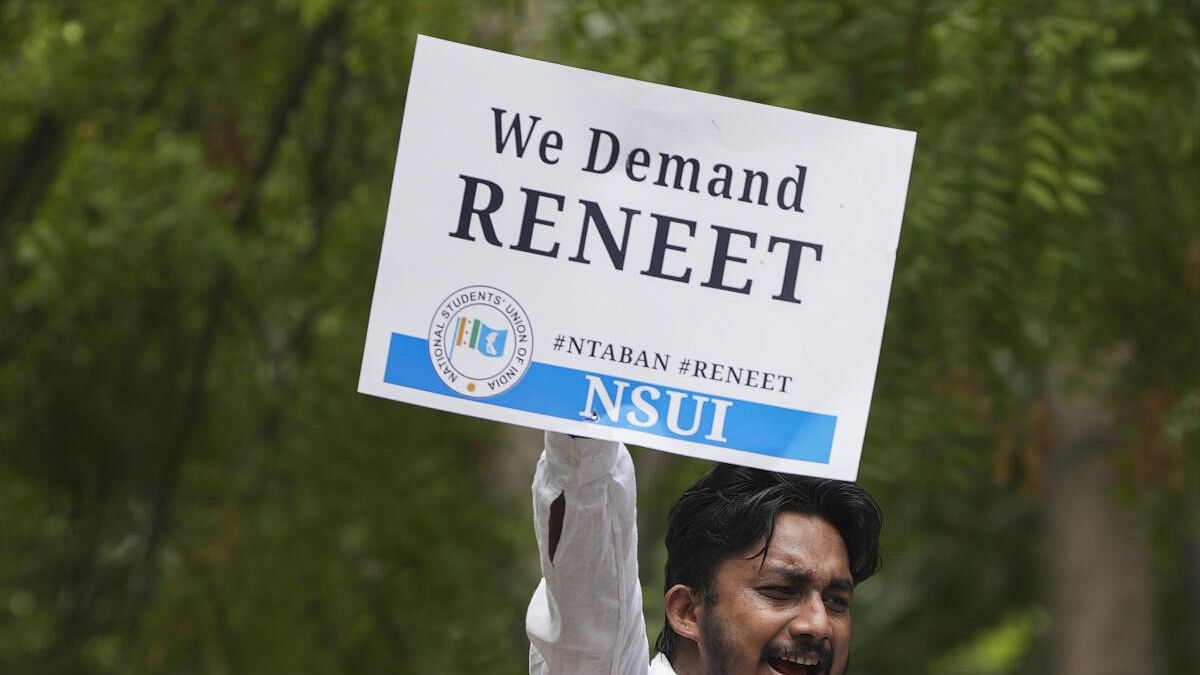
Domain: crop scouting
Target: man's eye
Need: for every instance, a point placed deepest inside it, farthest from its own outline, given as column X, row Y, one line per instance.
column 838, row 604
column 776, row 592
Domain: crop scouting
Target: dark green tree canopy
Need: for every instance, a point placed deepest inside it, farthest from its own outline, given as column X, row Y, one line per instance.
column 192, row 197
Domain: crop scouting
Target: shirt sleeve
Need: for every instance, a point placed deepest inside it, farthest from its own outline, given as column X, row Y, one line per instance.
column 585, row 617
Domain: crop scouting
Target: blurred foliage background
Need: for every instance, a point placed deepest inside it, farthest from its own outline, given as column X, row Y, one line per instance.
column 192, row 197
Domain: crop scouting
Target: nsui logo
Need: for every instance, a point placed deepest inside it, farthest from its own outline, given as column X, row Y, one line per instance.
column 480, row 341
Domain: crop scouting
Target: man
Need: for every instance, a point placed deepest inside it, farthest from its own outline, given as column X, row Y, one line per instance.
column 761, row 569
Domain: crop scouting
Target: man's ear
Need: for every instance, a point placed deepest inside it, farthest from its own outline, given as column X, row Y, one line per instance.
column 684, row 610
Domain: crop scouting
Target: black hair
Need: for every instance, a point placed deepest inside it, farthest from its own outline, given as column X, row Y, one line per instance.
column 732, row 508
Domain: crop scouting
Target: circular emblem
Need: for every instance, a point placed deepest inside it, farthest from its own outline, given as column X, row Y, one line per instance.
column 480, row 341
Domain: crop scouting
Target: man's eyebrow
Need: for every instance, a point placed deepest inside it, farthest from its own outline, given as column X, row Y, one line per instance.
column 797, row 577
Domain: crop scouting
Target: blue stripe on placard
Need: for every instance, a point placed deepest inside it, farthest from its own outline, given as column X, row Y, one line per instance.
column 630, row 404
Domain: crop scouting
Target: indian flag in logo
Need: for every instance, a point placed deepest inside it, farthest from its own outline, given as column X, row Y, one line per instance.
column 477, row 335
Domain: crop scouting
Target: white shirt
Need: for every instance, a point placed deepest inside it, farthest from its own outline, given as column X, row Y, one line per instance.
column 585, row 618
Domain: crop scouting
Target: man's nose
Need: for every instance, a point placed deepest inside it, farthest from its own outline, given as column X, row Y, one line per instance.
column 811, row 619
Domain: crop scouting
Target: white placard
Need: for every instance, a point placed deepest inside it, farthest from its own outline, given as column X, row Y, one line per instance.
column 600, row 256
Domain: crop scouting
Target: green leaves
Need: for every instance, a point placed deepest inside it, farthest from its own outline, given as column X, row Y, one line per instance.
column 191, row 200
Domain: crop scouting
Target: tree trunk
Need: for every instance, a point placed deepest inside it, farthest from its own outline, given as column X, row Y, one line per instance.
column 1098, row 577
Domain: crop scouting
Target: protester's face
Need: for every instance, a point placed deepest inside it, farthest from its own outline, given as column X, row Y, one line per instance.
column 785, row 614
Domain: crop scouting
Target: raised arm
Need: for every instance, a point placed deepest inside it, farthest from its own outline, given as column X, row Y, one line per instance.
column 585, row 617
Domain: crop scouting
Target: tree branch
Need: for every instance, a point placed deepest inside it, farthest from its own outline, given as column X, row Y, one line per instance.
column 32, row 174
column 190, row 414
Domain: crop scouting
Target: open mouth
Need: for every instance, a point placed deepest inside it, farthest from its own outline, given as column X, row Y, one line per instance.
column 796, row 665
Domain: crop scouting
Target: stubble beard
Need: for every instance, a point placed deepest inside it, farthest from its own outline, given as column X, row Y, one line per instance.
column 716, row 643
